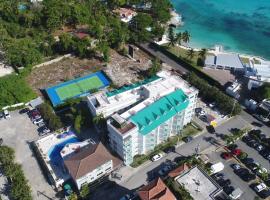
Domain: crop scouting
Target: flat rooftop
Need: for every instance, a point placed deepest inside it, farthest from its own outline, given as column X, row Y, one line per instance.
column 198, row 184
column 225, row 60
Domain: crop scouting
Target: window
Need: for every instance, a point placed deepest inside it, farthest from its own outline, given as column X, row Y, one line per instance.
column 108, row 169
column 99, row 173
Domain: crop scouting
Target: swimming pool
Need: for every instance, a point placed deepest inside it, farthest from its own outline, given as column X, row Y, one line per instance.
column 54, row 152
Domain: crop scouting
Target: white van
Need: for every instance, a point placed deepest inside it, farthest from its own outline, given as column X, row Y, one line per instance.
column 6, row 114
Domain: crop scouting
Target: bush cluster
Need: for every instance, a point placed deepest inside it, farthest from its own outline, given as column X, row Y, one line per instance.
column 52, row 120
column 20, row 190
column 225, row 104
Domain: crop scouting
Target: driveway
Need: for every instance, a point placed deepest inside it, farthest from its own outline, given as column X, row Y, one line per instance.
column 18, row 132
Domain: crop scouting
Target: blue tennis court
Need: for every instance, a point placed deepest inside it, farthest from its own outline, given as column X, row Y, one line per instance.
column 76, row 88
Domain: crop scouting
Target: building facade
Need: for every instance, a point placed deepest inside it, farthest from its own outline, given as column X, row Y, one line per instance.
column 145, row 114
column 89, row 163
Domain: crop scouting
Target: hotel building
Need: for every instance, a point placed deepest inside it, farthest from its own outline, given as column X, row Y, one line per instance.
column 145, row 114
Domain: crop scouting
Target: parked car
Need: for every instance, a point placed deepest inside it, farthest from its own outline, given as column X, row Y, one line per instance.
column 224, row 183
column 236, row 166
column 248, row 161
column 228, row 189
column 252, row 143
column 248, row 177
column 156, row 157
column 1, row 115
column 44, row 129
column 164, row 170
column 202, row 113
column 6, row 114
column 37, row 121
column 187, row 139
column 198, row 110
column 212, row 105
column 226, row 155
column 252, row 166
column 231, row 147
column 218, row 176
column 264, row 194
column 246, row 138
column 169, row 149
column 24, row 110
column 260, row 187
column 236, row 152
column 260, row 147
column 211, row 129
column 241, row 171
column 128, row 197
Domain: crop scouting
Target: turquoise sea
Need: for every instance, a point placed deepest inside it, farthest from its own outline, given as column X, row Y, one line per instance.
column 239, row 25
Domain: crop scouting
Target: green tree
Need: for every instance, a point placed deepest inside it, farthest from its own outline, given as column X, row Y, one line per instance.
column 263, row 92
column 84, row 193
column 7, row 155
column 155, row 68
column 186, row 36
column 73, row 196
column 99, row 119
column 179, row 38
column 202, row 53
column 190, row 53
column 78, row 123
column 171, row 36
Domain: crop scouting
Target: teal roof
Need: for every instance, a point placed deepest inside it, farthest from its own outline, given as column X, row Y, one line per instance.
column 160, row 111
column 130, row 87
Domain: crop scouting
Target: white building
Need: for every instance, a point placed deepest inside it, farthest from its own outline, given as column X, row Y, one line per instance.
column 225, row 61
column 87, row 164
column 126, row 15
column 257, row 73
column 65, row 157
column 234, row 90
column 146, row 113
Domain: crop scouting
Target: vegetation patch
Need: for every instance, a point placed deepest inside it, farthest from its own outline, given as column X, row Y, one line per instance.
column 20, row 189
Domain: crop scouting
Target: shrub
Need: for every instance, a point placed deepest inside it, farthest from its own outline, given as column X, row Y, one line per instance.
column 243, row 155
column 14, row 89
column 50, row 117
column 20, row 189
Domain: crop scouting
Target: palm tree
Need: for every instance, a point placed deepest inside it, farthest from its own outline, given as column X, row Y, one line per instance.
column 171, row 36
column 202, row 53
column 186, row 37
column 190, row 53
column 179, row 38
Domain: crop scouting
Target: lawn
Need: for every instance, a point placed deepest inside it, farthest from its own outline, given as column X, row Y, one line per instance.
column 189, row 130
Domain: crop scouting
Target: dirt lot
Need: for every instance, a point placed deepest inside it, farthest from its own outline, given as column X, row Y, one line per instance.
column 66, row 69
column 121, row 70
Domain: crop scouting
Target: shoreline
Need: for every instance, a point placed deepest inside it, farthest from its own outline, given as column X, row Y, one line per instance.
column 164, row 40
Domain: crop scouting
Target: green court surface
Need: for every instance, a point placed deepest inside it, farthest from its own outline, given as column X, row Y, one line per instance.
column 79, row 87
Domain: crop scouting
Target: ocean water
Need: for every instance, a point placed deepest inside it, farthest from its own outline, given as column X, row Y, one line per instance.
column 239, row 25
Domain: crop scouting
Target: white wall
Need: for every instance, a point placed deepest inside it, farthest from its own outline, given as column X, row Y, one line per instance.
column 95, row 174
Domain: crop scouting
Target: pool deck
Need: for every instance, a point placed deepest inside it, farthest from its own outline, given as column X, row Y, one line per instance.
column 56, row 172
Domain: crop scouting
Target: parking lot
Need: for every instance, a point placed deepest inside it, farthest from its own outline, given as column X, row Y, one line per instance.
column 228, row 171
column 18, row 132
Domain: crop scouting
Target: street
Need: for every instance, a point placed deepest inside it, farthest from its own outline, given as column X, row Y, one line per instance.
column 147, row 171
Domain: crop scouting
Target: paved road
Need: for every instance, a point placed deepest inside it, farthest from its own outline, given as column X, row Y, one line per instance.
column 162, row 57
column 142, row 176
